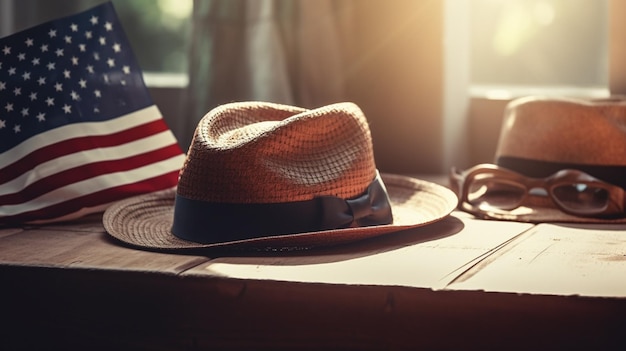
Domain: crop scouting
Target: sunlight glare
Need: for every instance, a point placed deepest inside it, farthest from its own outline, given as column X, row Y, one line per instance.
column 544, row 13
column 178, row 9
column 519, row 23
column 514, row 28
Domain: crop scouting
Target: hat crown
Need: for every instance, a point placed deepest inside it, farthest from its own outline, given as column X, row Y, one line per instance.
column 566, row 131
column 259, row 152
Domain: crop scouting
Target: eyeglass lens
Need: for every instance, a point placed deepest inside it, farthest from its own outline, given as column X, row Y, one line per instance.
column 581, row 197
column 486, row 190
column 496, row 193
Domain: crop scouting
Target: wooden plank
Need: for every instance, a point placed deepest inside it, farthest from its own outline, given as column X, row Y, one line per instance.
column 76, row 287
column 587, row 260
column 9, row 231
column 85, row 310
column 85, row 245
column 429, row 257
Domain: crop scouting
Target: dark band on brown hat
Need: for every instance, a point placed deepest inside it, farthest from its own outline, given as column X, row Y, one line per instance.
column 210, row 223
column 615, row 175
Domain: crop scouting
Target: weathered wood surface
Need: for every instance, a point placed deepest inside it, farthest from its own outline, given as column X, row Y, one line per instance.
column 556, row 259
column 459, row 284
column 84, row 245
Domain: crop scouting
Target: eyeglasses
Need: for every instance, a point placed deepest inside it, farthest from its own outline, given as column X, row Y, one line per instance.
column 487, row 187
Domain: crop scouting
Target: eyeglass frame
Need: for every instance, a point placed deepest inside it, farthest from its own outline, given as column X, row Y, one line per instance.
column 615, row 204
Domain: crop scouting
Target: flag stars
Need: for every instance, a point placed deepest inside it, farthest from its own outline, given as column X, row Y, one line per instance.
column 54, row 74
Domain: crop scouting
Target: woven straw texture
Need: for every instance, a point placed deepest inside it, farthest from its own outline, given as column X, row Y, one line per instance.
column 267, row 153
column 571, row 131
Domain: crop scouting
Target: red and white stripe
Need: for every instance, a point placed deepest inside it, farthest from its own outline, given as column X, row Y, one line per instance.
column 105, row 162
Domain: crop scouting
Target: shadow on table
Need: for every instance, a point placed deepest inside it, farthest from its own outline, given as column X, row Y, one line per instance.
column 361, row 248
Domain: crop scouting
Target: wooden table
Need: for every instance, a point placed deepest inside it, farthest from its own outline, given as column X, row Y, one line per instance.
column 460, row 283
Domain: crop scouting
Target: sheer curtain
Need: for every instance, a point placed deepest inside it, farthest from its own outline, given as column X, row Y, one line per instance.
column 283, row 51
column 385, row 56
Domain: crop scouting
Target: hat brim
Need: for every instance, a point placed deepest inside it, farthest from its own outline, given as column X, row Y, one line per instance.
column 145, row 221
column 540, row 215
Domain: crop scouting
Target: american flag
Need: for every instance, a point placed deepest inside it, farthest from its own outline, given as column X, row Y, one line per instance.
column 78, row 129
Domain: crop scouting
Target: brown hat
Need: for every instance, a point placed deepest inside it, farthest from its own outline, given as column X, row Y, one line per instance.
column 542, row 136
column 272, row 176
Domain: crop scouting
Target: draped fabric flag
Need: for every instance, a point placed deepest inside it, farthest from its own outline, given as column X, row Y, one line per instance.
column 78, row 129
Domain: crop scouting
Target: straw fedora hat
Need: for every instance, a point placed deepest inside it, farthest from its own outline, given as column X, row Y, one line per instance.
column 271, row 176
column 541, row 136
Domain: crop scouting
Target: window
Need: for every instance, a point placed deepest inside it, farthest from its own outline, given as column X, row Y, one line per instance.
column 497, row 50
column 539, row 43
column 159, row 32
column 157, row 29
column 165, row 22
